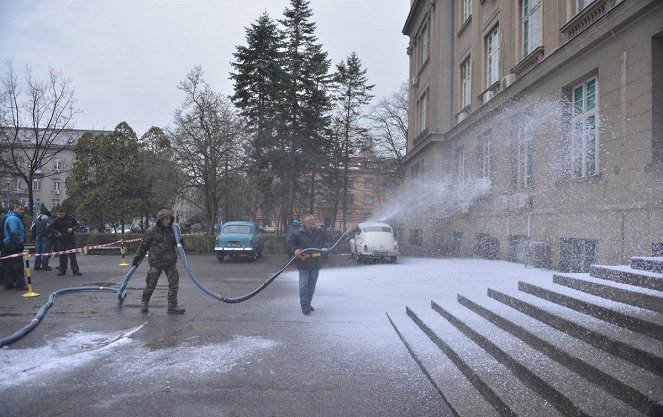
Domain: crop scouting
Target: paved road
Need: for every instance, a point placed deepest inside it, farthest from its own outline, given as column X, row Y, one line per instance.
column 262, row 357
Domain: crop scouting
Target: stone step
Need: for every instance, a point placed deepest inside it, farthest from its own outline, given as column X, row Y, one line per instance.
column 641, row 389
column 455, row 388
column 627, row 275
column 616, row 291
column 567, row 391
column 499, row 386
column 648, row 263
column 646, row 322
column 634, row 347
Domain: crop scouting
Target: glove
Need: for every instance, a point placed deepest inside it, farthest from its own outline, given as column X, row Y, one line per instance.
column 136, row 261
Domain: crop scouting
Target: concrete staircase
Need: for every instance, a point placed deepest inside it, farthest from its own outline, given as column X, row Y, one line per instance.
column 581, row 345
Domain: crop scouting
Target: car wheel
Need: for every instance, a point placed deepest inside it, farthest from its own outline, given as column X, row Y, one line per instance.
column 392, row 259
column 220, row 258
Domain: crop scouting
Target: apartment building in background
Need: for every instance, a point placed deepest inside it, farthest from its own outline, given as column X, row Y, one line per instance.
column 48, row 185
column 545, row 118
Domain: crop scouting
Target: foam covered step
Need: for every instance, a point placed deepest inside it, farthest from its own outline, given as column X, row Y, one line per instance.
column 634, row 347
column 501, row 387
column 569, row 392
column 640, row 388
column 628, row 275
column 650, row 263
column 616, row 291
column 461, row 396
column 643, row 321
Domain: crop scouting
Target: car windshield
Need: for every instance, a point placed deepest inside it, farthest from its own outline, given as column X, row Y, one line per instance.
column 377, row 229
column 237, row 228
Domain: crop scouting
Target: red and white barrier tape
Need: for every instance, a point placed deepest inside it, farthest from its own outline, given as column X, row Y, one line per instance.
column 75, row 250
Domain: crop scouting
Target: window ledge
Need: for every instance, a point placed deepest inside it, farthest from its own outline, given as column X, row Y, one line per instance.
column 420, row 136
column 465, row 24
column 587, row 16
column 529, row 62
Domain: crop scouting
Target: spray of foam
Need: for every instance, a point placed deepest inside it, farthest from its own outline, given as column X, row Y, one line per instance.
column 525, row 120
column 433, row 198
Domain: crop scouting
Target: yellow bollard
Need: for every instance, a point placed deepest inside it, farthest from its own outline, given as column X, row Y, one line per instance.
column 123, row 251
column 28, row 274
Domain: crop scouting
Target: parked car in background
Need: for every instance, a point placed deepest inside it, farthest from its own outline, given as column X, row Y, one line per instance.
column 374, row 242
column 239, row 238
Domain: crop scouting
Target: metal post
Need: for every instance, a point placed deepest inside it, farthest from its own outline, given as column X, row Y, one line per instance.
column 28, row 274
column 123, row 251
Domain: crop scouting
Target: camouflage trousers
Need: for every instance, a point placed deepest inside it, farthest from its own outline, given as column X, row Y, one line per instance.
column 151, row 282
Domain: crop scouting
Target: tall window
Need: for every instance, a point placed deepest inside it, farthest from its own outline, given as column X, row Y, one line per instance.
column 56, row 186
column 423, row 44
column 57, row 165
column 484, row 146
column 460, row 160
column 523, row 160
column 465, row 84
column 531, row 16
column 368, row 200
column 422, row 110
column 36, row 184
column 466, row 11
column 584, row 124
column 492, row 57
column 418, row 169
column 36, row 206
column 369, row 183
column 54, row 203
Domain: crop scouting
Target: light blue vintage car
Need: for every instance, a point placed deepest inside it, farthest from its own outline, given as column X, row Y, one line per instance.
column 239, row 238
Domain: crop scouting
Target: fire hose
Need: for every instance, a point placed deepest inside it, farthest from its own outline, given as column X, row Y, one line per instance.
column 121, row 292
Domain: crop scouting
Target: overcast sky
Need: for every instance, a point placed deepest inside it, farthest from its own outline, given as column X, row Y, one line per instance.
column 126, row 57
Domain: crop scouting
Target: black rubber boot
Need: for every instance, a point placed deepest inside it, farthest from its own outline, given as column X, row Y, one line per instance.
column 176, row 310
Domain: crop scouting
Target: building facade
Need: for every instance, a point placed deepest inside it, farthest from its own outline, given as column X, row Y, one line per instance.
column 48, row 184
column 544, row 120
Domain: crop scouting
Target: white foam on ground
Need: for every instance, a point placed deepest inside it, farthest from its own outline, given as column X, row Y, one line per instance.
column 78, row 349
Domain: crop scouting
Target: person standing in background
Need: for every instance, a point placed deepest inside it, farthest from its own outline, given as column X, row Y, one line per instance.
column 42, row 241
column 63, row 229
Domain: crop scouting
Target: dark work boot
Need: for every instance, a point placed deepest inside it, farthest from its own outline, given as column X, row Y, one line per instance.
column 175, row 310
column 143, row 307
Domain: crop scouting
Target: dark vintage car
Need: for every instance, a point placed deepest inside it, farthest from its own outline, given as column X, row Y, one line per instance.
column 239, row 238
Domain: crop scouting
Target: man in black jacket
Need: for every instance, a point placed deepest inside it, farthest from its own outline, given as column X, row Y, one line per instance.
column 308, row 236
column 63, row 228
column 159, row 239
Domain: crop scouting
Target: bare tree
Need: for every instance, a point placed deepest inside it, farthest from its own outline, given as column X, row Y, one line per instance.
column 33, row 123
column 390, row 123
column 208, row 142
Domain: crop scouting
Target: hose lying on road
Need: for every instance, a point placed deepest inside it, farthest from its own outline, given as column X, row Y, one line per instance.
column 121, row 292
column 51, row 299
column 231, row 300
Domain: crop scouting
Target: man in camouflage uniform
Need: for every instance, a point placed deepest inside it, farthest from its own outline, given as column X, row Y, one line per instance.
column 159, row 239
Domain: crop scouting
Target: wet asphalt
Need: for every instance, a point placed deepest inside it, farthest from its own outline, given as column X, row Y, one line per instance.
column 92, row 355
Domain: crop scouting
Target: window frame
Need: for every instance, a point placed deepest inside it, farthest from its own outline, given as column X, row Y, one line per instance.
column 465, row 83
column 523, row 158
column 424, row 44
column 492, row 41
column 584, row 143
column 485, row 144
column 531, row 18
column 465, row 11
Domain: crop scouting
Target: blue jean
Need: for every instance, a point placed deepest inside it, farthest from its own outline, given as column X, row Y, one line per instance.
column 42, row 245
column 307, row 280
